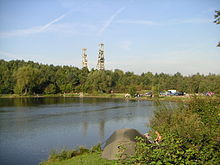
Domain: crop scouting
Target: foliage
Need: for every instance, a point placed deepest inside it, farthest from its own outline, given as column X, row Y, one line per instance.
column 155, row 90
column 26, row 78
column 191, row 135
column 50, row 89
column 217, row 17
column 132, row 91
column 82, row 156
column 217, row 20
column 98, row 81
column 67, row 154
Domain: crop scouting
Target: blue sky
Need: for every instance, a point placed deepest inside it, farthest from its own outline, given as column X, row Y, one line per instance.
column 139, row 35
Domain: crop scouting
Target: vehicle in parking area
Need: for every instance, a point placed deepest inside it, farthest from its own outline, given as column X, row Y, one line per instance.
column 179, row 94
column 148, row 94
column 169, row 93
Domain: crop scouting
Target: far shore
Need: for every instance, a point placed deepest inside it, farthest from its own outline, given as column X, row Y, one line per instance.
column 115, row 96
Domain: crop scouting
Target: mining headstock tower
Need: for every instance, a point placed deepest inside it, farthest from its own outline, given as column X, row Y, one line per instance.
column 84, row 58
column 101, row 58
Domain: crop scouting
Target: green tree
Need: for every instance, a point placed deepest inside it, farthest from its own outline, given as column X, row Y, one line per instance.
column 27, row 79
column 132, row 91
column 217, row 20
column 98, row 81
column 147, row 80
column 67, row 79
column 37, row 77
column 156, row 90
column 50, row 89
column 6, row 78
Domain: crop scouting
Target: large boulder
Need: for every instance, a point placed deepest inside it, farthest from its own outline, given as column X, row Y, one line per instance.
column 121, row 144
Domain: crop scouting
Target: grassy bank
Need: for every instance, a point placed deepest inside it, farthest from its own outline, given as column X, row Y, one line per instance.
column 80, row 156
column 84, row 159
column 190, row 133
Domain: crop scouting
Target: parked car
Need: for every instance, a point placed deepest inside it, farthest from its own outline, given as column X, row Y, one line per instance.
column 179, row 94
column 163, row 93
column 148, row 94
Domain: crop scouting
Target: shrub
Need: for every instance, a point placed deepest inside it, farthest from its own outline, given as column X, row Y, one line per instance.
column 190, row 135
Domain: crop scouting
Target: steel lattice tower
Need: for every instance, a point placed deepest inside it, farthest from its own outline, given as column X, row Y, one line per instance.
column 101, row 59
column 84, row 58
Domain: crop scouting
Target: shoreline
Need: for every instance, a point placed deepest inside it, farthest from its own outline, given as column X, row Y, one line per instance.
column 113, row 96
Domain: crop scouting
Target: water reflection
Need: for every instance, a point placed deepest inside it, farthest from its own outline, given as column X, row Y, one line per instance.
column 85, row 128
column 31, row 127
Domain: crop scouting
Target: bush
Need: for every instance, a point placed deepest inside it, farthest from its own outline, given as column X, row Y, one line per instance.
column 191, row 135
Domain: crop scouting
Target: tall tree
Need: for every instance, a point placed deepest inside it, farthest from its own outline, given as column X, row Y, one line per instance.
column 27, row 79
column 98, row 81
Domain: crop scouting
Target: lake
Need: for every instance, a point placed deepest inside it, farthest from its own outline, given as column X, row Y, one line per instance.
column 31, row 127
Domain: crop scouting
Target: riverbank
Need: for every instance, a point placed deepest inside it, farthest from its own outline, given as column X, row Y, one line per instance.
column 92, row 158
column 184, row 131
column 115, row 96
column 81, row 155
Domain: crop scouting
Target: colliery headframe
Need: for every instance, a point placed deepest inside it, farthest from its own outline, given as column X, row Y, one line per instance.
column 101, row 59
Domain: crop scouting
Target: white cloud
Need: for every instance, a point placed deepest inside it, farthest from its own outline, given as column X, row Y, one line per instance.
column 110, row 20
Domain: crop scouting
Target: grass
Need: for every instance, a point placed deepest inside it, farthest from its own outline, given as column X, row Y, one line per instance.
column 84, row 159
column 79, row 156
column 87, row 157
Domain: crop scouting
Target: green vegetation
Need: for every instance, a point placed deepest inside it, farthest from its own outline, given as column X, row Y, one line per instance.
column 84, row 159
column 80, row 156
column 190, row 135
column 29, row 78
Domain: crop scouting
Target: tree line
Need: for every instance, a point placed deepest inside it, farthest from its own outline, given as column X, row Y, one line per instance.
column 20, row 77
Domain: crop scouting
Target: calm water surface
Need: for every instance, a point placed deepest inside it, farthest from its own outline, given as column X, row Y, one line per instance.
column 31, row 127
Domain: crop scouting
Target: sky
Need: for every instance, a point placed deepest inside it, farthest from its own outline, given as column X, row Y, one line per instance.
column 166, row 36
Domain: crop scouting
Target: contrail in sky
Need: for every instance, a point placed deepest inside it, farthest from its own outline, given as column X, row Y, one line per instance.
column 54, row 21
column 32, row 30
column 110, row 20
